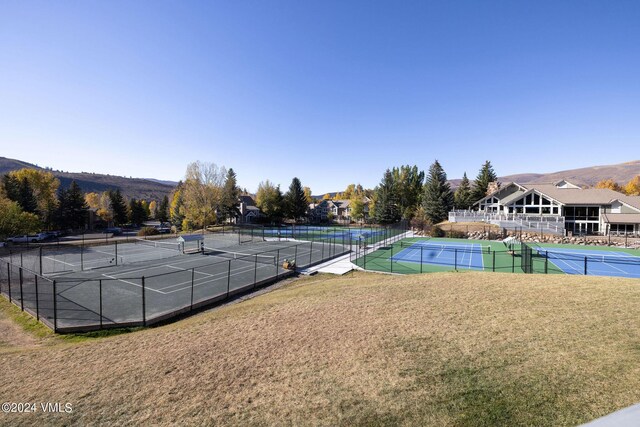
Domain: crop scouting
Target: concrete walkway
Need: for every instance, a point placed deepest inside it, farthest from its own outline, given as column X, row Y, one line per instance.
column 339, row 266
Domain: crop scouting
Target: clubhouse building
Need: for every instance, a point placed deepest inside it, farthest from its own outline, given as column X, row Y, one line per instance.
column 578, row 211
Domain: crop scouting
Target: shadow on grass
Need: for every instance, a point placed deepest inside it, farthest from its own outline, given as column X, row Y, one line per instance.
column 37, row 329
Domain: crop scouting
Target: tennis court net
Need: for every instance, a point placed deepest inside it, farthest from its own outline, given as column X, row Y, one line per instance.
column 472, row 247
column 260, row 259
column 177, row 247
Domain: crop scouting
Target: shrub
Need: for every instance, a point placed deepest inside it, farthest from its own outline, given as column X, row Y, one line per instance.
column 436, row 232
column 148, row 231
column 457, row 234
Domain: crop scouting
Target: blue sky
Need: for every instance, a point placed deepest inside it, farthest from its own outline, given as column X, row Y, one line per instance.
column 331, row 92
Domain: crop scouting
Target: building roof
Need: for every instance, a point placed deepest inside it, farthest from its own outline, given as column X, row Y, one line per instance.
column 633, row 201
column 577, row 196
column 620, row 218
column 247, row 200
column 342, row 203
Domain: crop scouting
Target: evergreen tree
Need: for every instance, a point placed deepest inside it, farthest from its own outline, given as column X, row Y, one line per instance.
column 481, row 184
column 386, row 207
column 26, row 198
column 163, row 210
column 137, row 212
column 463, row 198
column 230, row 201
column 438, row 197
column 77, row 208
column 60, row 217
column 295, row 201
column 118, row 207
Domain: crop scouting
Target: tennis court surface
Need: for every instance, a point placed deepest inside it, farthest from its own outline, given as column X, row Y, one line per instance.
column 422, row 255
column 458, row 255
column 590, row 261
column 151, row 291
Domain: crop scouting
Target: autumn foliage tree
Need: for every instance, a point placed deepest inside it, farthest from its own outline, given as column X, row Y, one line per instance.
column 609, row 184
column 633, row 187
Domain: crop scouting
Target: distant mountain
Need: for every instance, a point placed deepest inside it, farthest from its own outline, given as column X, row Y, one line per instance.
column 588, row 177
column 171, row 183
column 320, row 196
column 94, row 182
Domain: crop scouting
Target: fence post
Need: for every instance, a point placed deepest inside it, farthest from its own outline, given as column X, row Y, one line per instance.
column 311, row 253
column 9, row 280
column 277, row 263
column 116, row 251
column 421, row 248
column 55, row 308
column 144, row 304
column 365, row 256
column 391, row 259
column 455, row 259
column 82, row 255
column 546, row 262
column 37, row 303
column 100, row 292
column 193, row 274
column 513, row 261
column 255, row 272
column 322, row 253
column 493, row 266
column 40, row 259
column 228, row 278
column 585, row 265
column 21, row 294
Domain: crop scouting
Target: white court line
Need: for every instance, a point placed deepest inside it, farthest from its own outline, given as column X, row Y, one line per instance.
column 57, row 260
column 151, row 267
column 213, row 280
column 188, row 269
column 134, row 284
column 218, row 276
column 612, row 266
column 112, row 254
column 570, row 266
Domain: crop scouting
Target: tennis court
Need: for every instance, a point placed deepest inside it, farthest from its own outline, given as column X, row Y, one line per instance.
column 456, row 255
column 428, row 255
column 304, row 232
column 58, row 259
column 591, row 261
column 152, row 291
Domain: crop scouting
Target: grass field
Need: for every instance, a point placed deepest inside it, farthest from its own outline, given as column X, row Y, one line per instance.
column 467, row 349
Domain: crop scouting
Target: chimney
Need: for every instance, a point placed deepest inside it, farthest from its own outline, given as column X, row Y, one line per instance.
column 493, row 187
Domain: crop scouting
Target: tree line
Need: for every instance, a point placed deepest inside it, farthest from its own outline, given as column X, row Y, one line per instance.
column 631, row 188
column 32, row 200
column 407, row 193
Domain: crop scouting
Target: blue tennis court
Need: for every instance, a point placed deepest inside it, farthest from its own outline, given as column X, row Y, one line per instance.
column 460, row 255
column 592, row 262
